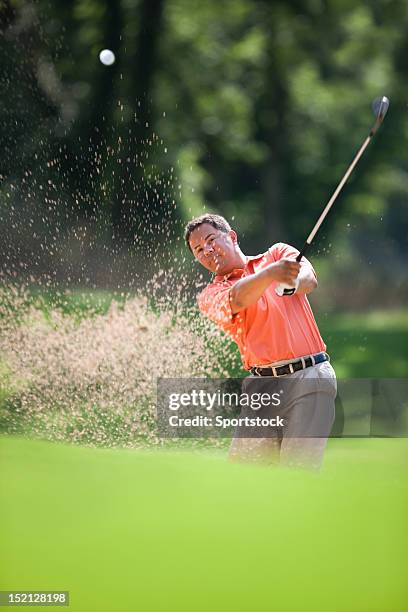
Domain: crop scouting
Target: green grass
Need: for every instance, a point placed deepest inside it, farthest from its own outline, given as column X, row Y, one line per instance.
column 77, row 302
column 162, row 531
column 371, row 345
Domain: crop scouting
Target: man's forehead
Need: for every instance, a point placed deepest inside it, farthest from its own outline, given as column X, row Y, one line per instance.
column 201, row 232
column 204, row 228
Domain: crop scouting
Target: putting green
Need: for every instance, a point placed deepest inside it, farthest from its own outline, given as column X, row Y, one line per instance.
column 127, row 530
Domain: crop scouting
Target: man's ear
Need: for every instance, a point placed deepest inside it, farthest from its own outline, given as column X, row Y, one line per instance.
column 234, row 236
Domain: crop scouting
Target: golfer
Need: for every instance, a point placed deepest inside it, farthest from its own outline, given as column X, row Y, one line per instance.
column 277, row 337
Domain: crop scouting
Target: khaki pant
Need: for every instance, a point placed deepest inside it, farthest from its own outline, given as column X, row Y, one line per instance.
column 307, row 408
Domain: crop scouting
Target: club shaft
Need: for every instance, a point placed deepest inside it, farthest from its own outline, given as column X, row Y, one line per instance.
column 333, row 198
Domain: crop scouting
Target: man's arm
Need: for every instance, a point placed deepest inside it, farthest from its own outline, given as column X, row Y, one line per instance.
column 248, row 290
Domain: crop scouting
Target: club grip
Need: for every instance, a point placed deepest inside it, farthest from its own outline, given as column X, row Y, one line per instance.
column 302, row 251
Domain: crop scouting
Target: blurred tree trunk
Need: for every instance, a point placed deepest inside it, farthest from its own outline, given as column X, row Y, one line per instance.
column 130, row 202
column 24, row 95
column 272, row 130
column 114, row 25
column 7, row 15
column 91, row 132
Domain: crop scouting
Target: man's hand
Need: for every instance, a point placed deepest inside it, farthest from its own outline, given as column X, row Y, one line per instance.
column 285, row 271
column 304, row 282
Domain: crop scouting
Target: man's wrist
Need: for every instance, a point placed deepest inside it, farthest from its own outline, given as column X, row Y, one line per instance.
column 271, row 272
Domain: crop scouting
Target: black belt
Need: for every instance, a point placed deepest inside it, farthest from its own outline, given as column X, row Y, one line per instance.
column 290, row 368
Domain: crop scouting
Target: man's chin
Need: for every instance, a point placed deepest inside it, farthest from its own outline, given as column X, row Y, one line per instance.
column 219, row 269
column 222, row 270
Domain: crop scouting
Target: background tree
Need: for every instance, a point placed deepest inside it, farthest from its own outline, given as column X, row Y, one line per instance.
column 250, row 108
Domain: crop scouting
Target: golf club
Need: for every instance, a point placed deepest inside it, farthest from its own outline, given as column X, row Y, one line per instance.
column 380, row 106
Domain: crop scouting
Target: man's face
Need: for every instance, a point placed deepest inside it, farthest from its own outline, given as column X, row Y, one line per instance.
column 214, row 249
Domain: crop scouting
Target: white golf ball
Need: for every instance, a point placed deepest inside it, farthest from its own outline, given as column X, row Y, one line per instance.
column 107, row 57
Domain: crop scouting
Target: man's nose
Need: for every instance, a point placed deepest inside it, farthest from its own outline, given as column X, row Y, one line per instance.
column 208, row 249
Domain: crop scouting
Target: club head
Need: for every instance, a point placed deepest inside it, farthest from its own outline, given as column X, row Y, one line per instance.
column 380, row 107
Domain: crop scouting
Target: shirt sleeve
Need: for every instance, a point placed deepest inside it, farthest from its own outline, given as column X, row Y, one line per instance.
column 280, row 250
column 215, row 303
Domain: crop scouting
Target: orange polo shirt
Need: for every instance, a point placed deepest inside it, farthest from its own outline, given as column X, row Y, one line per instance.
column 274, row 328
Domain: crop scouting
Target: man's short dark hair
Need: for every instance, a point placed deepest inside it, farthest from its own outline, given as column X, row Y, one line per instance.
column 215, row 220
